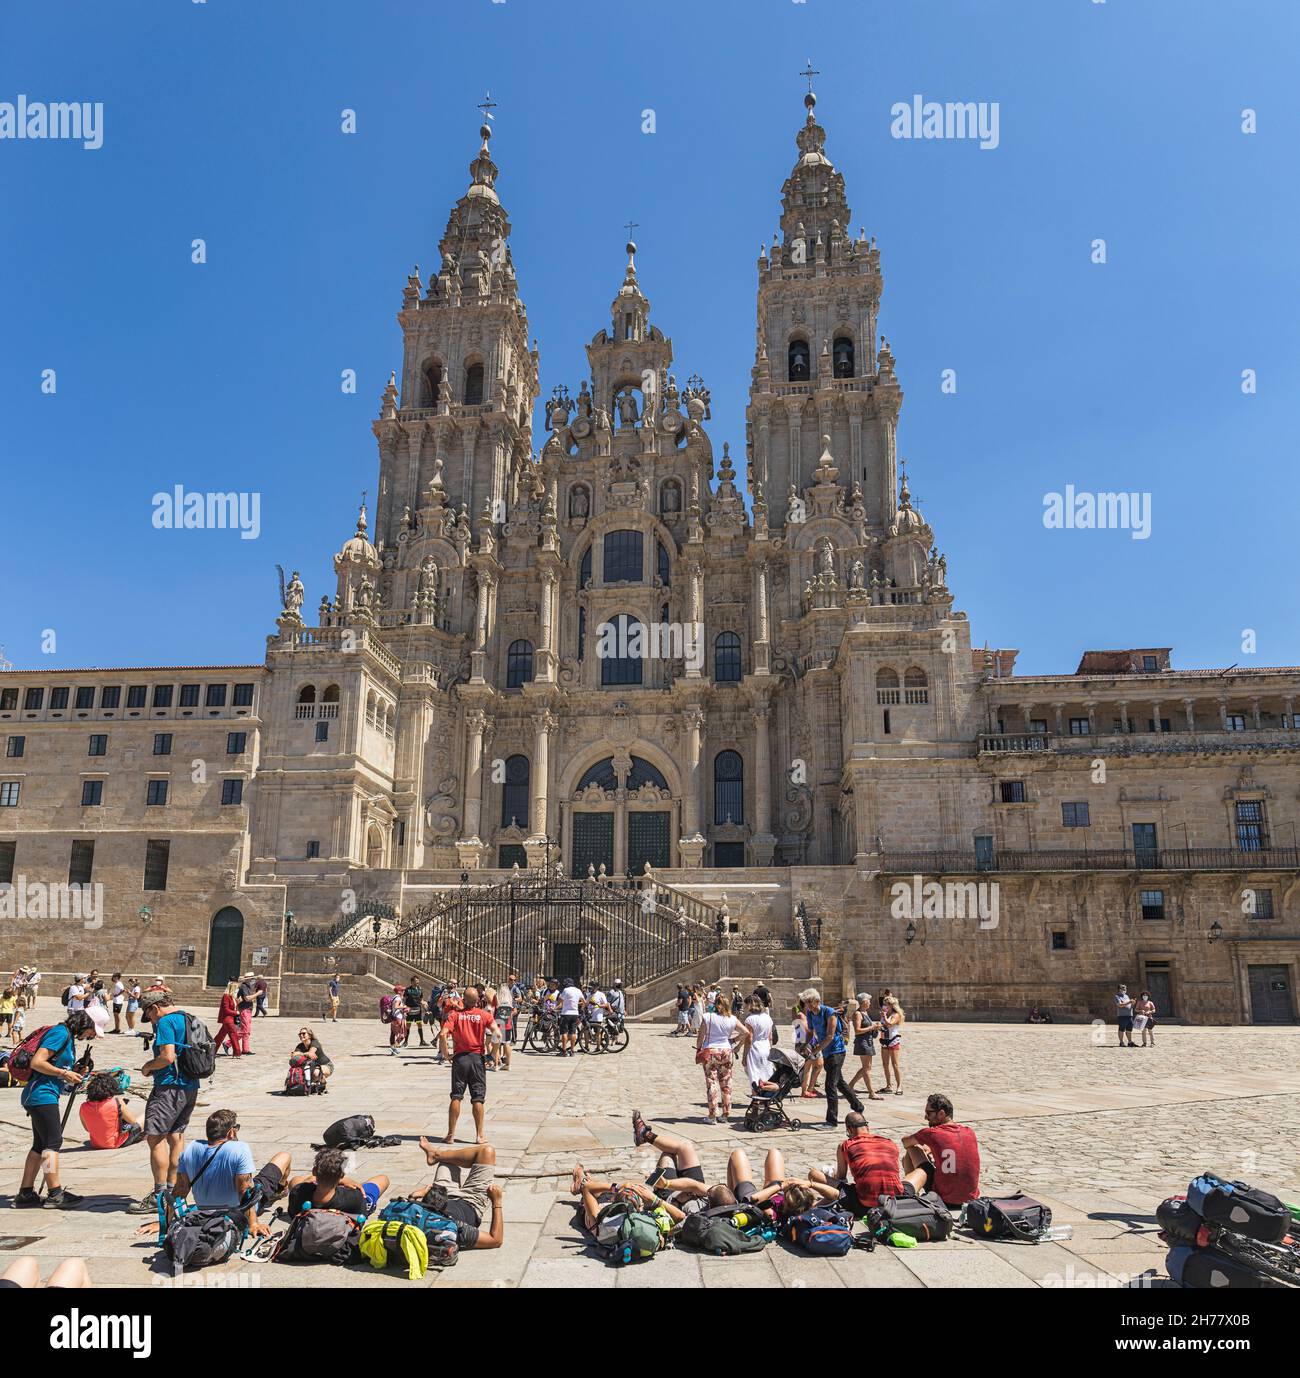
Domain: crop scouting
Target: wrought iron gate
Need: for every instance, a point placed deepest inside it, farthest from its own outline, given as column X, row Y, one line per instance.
column 483, row 932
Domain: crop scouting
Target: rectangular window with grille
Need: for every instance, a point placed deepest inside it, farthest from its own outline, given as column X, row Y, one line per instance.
column 85, row 697
column 243, row 697
column 162, row 696
column 1074, row 815
column 110, row 696
column 1260, row 904
column 236, row 742
column 135, row 695
column 189, row 695
column 156, row 793
column 624, row 557
column 15, row 746
column 313, row 850
column 58, row 698
column 8, row 700
column 81, row 863
column 98, row 745
column 157, row 857
column 92, row 793
column 216, row 696
column 10, row 790
column 1250, row 825
column 33, row 699
column 232, row 791
column 1153, row 904
column 1235, row 722
column 1011, row 791
column 1080, row 727
column 162, row 743
column 1038, row 726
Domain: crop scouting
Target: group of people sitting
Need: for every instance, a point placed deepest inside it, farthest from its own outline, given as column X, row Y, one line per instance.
column 943, row 1157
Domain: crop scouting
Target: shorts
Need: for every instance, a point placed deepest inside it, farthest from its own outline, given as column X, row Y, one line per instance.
column 569, row 1023
column 467, row 1070
column 168, row 1109
column 690, row 1174
column 864, row 1046
column 269, row 1183
column 744, row 1192
column 6, row 1019
column 469, row 1184
column 1126, row 1023
column 47, row 1128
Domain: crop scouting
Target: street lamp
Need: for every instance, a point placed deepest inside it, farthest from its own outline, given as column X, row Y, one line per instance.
column 1216, row 931
column 146, row 914
column 909, row 933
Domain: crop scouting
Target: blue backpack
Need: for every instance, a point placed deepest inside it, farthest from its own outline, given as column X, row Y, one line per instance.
column 822, row 1230
column 439, row 1230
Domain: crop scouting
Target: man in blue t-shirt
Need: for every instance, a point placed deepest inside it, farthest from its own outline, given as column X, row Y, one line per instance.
column 53, row 1074
column 825, row 1039
column 171, row 1102
column 220, row 1172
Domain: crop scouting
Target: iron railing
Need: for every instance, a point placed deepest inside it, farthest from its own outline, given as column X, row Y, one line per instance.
column 299, row 935
column 1077, row 859
column 536, row 925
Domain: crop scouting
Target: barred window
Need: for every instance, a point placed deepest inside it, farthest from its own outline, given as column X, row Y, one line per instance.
column 515, row 793
column 1074, row 815
column 624, row 557
column 1012, row 791
column 157, row 856
column 728, row 787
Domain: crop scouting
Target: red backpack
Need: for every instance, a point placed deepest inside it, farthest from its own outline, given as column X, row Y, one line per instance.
column 386, row 1009
column 20, row 1061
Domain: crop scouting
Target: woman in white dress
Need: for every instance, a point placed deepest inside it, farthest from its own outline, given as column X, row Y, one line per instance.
column 758, row 1060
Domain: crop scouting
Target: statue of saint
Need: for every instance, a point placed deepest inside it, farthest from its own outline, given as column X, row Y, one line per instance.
column 579, row 503
column 627, row 412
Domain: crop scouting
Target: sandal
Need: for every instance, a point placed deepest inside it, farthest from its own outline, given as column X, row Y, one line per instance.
column 641, row 1131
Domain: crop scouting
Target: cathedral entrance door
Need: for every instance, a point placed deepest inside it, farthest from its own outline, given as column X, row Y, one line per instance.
column 647, row 840
column 225, row 946
column 593, row 843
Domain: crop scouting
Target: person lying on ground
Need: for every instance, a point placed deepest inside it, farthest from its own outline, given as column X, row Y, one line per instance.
column 464, row 1189
column 25, row 1271
column 596, row 1195
column 327, row 1186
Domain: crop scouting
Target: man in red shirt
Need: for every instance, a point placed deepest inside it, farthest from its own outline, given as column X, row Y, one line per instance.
column 866, row 1166
column 944, row 1157
column 468, row 1033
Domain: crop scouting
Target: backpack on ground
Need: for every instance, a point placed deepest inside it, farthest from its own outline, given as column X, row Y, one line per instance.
column 822, row 1230
column 1008, row 1217
column 20, row 1060
column 1179, row 1223
column 717, row 1231
column 200, row 1238
column 296, row 1081
column 1208, row 1268
column 395, row 1244
column 1240, row 1208
column 198, row 1058
column 319, row 1235
column 626, row 1234
column 925, row 1218
column 439, row 1230
column 354, row 1131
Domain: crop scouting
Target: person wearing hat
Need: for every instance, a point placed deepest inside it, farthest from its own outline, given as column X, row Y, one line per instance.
column 245, row 999
column 617, row 999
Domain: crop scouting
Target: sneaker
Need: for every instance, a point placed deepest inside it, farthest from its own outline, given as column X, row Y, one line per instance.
column 62, row 1199
column 146, row 1205
column 641, row 1132
column 27, row 1199
column 832, row 1124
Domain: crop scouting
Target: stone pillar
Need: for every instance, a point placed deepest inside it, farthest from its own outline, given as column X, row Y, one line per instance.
column 1058, row 709
column 1155, row 715
column 695, row 614
column 691, row 843
column 1288, row 707
column 536, row 846
column 1091, row 710
column 478, row 656
column 763, row 844
column 1123, row 715
column 546, row 653
column 1189, row 707
column 1254, row 712
column 762, row 642
column 1223, row 714
column 471, row 848
column 620, row 830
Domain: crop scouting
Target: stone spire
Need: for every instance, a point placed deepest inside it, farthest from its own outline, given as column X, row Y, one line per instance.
column 813, row 205
column 630, row 311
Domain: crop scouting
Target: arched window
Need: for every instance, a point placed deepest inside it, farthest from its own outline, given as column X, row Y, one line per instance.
column 374, row 849
column 620, row 646
column 584, row 570
column 331, row 694
column 664, row 568
column 514, row 793
column 643, row 773
column 728, row 788
column 799, row 368
column 601, row 774
column 307, row 694
column 519, row 664
column 432, row 393
column 886, row 678
column 726, row 658
column 624, row 558
column 842, row 357
column 916, row 688
column 474, row 385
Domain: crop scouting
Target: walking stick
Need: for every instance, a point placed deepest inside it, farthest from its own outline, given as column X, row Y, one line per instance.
column 85, row 1064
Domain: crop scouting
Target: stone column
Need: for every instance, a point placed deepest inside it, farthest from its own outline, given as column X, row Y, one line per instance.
column 691, row 844
column 1123, row 715
column 471, row 847
column 478, row 656
column 762, row 641
column 536, row 845
column 1189, row 707
column 1091, row 710
column 695, row 614
column 1058, row 709
column 763, row 844
column 1155, row 715
column 1288, row 707
column 1254, row 712
column 546, row 652
column 1223, row 714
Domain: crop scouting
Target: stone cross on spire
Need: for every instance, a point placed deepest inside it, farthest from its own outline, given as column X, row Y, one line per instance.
column 487, row 105
column 810, row 71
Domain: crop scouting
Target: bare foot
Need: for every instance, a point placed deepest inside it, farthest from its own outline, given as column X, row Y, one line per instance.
column 579, row 1177
column 450, row 1139
column 430, row 1150
column 480, row 1140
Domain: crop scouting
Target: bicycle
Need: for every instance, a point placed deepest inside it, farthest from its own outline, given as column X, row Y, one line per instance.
column 542, row 1034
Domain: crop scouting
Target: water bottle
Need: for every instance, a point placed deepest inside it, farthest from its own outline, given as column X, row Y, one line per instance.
column 1057, row 1232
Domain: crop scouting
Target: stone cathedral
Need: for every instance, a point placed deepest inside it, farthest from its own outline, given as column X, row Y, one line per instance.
column 588, row 653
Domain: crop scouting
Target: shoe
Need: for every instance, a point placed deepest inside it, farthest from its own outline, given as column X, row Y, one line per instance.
column 712, row 1119
column 832, row 1124
column 62, row 1199
column 146, row 1205
column 27, row 1199
column 641, row 1132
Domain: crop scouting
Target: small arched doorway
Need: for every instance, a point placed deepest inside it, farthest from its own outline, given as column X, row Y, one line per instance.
column 374, row 849
column 225, row 946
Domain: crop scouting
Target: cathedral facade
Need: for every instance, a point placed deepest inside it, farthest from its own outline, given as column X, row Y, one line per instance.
column 589, row 652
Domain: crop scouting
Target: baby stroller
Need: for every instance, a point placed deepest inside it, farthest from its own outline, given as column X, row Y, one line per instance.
column 766, row 1110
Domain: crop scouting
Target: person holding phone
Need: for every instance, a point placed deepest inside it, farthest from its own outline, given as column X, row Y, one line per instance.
column 53, row 1074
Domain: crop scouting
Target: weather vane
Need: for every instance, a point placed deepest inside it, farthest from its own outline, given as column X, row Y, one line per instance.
column 810, row 71
column 487, row 105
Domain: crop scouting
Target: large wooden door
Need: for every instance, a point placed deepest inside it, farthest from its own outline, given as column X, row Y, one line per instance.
column 647, row 840
column 593, row 843
column 225, row 946
column 1270, row 995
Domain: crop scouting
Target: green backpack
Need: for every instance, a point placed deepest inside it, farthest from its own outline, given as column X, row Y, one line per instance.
column 627, row 1235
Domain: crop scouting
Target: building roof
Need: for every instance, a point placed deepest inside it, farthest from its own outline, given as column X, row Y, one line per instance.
column 131, row 670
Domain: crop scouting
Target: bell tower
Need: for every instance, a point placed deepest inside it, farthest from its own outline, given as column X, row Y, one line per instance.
column 817, row 371
column 460, row 419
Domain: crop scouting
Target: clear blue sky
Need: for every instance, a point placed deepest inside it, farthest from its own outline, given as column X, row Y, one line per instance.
column 1118, row 120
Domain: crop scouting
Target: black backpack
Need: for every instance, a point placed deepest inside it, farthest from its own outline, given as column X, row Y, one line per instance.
column 925, row 1218
column 319, row 1235
column 203, row 1237
column 198, row 1058
column 714, row 1231
column 355, row 1131
column 1008, row 1217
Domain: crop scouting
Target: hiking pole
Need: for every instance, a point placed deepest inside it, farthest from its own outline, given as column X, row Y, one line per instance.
column 84, row 1065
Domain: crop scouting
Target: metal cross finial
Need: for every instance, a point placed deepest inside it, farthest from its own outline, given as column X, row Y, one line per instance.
column 630, row 226
column 487, row 105
column 810, row 71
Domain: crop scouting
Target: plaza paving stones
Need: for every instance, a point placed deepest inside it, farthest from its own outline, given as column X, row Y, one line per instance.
column 1099, row 1133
